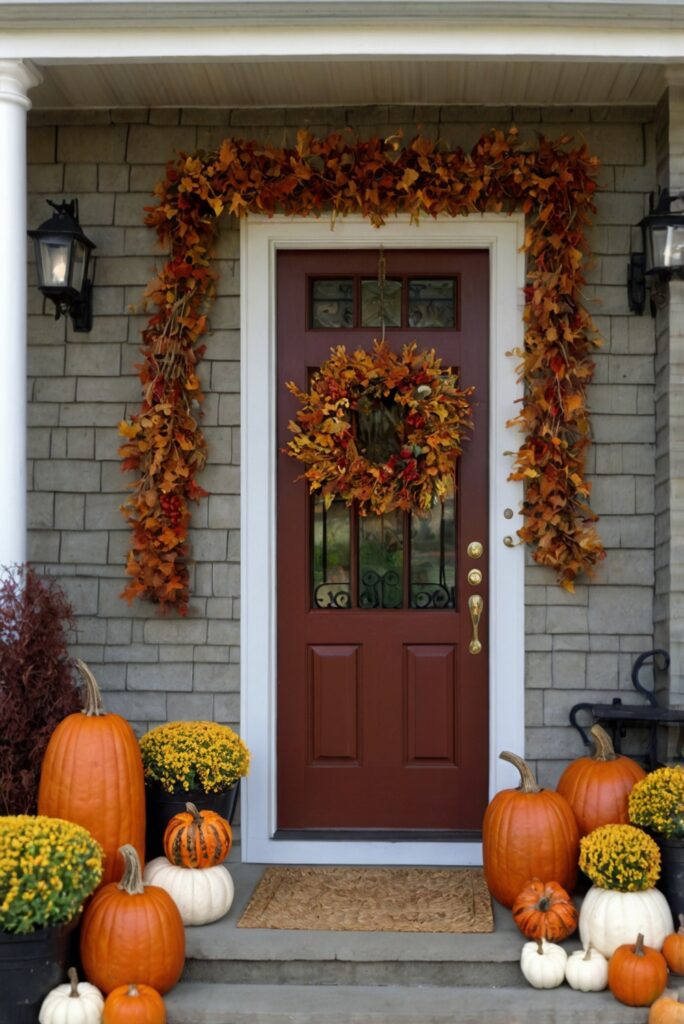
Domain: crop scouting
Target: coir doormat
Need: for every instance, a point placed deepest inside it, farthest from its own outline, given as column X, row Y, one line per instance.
column 371, row 900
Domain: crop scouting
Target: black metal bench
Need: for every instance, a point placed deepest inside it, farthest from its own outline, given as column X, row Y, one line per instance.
column 619, row 716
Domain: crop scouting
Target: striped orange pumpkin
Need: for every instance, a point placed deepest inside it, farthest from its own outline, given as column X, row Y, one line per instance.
column 197, row 839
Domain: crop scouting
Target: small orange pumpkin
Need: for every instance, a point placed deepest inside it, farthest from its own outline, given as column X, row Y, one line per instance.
column 637, row 974
column 673, row 949
column 197, row 839
column 598, row 787
column 543, row 910
column 134, row 1004
column 667, row 1010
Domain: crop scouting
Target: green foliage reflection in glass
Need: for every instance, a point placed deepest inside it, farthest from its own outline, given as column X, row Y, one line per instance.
column 331, row 562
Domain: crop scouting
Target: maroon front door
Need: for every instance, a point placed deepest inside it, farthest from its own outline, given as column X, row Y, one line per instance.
column 382, row 708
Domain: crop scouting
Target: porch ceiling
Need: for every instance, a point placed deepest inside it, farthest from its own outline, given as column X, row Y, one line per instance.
column 348, row 81
column 317, row 53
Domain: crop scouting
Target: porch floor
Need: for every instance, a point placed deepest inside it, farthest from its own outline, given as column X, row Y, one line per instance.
column 251, row 975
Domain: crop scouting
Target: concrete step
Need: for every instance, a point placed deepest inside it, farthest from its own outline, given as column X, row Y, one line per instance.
column 204, row 1003
column 223, row 953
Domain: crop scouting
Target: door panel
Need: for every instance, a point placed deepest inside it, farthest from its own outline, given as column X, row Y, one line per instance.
column 382, row 709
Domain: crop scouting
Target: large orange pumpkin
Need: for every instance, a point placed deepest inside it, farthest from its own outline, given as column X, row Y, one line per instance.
column 134, row 1004
column 673, row 950
column 598, row 787
column 543, row 910
column 528, row 832
column 132, row 933
column 92, row 774
column 197, row 839
column 637, row 974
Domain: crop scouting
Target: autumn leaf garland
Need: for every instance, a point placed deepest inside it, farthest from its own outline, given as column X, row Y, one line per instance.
column 552, row 185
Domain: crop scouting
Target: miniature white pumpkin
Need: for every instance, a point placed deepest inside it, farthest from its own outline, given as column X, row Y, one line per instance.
column 201, row 894
column 543, row 963
column 76, row 1003
column 609, row 918
column 587, row 970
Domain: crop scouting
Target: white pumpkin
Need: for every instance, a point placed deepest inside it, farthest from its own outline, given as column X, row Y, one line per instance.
column 201, row 894
column 609, row 918
column 76, row 1003
column 587, row 970
column 543, row 963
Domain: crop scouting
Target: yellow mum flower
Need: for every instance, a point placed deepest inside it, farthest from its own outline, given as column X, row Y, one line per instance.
column 47, row 869
column 657, row 802
column 620, row 857
column 194, row 755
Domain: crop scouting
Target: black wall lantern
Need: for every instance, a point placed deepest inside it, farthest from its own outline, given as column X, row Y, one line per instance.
column 663, row 252
column 62, row 261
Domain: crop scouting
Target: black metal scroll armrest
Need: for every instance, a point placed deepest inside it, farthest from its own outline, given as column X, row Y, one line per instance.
column 642, row 660
column 573, row 720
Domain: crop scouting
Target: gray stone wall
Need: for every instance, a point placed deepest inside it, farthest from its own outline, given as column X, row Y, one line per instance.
column 580, row 646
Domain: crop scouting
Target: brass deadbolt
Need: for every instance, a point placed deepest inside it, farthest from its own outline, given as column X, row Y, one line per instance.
column 475, row 577
column 475, row 549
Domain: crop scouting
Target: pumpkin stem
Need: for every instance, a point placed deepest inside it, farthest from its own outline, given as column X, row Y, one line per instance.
column 540, row 946
column 131, row 880
column 587, row 955
column 639, row 947
column 605, row 751
column 93, row 698
column 133, row 990
column 681, row 923
column 73, row 978
column 191, row 809
column 528, row 783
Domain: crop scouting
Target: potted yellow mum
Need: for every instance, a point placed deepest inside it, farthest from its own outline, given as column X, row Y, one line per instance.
column 624, row 865
column 190, row 762
column 657, row 804
column 47, row 869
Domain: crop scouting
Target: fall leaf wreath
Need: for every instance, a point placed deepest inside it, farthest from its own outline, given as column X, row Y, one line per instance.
column 381, row 429
column 554, row 186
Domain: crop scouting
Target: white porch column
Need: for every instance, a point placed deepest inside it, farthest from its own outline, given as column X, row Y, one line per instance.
column 16, row 78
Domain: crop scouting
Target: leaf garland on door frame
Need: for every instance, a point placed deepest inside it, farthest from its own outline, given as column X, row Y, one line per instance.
column 423, row 415
column 552, row 185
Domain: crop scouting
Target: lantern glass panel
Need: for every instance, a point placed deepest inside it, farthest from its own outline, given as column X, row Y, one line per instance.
column 674, row 251
column 79, row 263
column 52, row 258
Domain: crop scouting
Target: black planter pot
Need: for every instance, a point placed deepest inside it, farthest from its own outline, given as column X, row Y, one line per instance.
column 30, row 966
column 161, row 807
column 671, row 882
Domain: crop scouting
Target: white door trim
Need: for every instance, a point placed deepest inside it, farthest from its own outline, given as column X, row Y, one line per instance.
column 502, row 235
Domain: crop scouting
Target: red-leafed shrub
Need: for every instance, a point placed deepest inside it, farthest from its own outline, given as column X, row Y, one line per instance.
column 36, row 685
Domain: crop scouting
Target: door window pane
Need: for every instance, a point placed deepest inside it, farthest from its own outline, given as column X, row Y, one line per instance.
column 331, row 556
column 432, row 302
column 433, row 557
column 332, row 302
column 381, row 560
column 372, row 300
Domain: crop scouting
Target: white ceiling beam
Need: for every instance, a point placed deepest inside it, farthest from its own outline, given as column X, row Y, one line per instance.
column 429, row 41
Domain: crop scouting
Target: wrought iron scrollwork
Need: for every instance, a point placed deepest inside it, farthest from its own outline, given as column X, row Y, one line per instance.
column 380, row 590
column 325, row 596
column 432, row 595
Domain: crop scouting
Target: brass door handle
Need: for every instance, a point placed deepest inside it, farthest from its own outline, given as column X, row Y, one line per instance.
column 475, row 606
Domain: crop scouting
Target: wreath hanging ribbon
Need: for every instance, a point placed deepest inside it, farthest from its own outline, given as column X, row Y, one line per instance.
column 381, row 429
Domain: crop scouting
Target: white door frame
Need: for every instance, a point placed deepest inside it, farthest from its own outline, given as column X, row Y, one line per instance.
column 503, row 236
